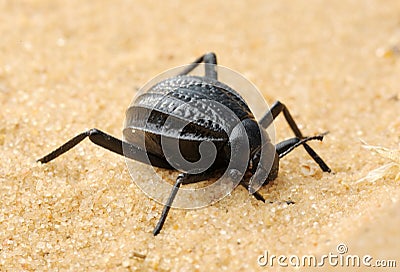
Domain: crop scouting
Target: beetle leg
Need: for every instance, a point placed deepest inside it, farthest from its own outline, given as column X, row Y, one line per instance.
column 182, row 178
column 210, row 59
column 257, row 195
column 111, row 143
column 275, row 110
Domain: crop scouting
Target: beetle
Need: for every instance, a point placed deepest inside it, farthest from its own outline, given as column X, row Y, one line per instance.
column 150, row 110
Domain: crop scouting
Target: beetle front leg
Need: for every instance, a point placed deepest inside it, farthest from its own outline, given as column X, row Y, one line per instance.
column 275, row 110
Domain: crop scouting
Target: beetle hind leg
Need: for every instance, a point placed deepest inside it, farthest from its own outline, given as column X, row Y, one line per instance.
column 210, row 61
column 111, row 143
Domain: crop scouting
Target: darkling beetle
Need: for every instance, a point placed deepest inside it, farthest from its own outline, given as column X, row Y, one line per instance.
column 185, row 87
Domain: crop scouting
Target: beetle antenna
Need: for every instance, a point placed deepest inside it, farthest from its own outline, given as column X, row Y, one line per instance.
column 285, row 147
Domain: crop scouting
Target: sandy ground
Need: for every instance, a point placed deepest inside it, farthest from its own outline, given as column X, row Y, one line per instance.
column 67, row 66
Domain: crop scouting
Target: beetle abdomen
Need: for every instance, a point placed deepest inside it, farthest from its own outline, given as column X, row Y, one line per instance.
column 204, row 102
column 190, row 109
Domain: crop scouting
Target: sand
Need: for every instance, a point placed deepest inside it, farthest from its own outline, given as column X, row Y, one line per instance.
column 67, row 66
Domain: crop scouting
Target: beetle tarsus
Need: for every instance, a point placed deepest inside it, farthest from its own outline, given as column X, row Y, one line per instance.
column 167, row 206
column 64, row 148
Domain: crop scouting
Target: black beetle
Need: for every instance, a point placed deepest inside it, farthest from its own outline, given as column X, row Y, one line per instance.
column 164, row 97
